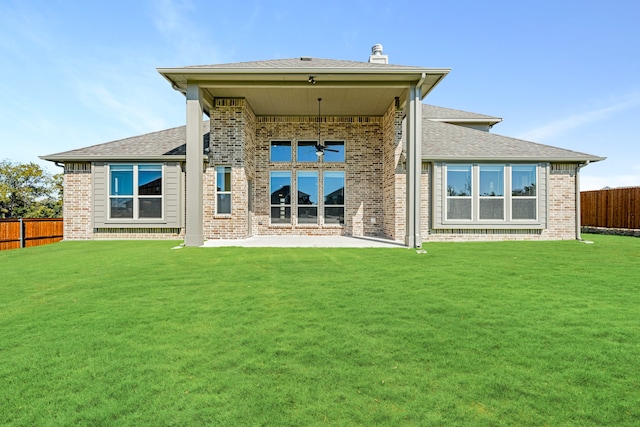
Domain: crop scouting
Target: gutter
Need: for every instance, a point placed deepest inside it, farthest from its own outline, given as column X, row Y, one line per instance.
column 127, row 158
column 504, row 159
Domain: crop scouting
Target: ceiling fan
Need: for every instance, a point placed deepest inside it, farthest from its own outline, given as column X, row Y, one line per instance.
column 320, row 149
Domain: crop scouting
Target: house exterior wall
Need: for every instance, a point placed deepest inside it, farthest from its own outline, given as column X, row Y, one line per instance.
column 392, row 178
column 562, row 202
column 77, row 201
column 558, row 203
column 362, row 166
column 374, row 185
column 232, row 143
column 84, row 185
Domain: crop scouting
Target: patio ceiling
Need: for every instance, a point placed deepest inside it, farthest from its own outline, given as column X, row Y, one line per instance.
column 289, row 92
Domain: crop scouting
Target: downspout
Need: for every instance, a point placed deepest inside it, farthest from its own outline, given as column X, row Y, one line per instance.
column 578, row 219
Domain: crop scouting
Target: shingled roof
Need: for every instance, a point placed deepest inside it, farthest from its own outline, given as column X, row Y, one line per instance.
column 451, row 115
column 440, row 141
column 443, row 141
column 151, row 146
column 304, row 62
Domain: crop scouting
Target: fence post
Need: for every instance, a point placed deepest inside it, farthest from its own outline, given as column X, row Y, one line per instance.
column 21, row 233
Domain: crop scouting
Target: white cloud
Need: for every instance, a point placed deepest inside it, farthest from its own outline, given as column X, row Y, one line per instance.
column 177, row 22
column 169, row 14
column 557, row 127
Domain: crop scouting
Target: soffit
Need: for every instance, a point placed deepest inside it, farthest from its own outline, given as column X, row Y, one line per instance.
column 349, row 88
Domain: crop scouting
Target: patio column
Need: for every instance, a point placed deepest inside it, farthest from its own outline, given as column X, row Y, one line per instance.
column 413, row 112
column 194, row 234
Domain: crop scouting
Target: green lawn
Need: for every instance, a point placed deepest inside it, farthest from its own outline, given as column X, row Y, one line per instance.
column 469, row 334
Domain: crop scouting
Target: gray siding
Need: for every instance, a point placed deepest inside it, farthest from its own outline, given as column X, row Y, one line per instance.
column 172, row 193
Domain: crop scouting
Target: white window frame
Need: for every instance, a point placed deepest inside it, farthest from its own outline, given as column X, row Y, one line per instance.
column 282, row 206
column 448, row 197
column 291, row 150
column 535, row 198
column 480, row 197
column 475, row 198
column 317, row 205
column 135, row 196
column 323, row 205
column 223, row 192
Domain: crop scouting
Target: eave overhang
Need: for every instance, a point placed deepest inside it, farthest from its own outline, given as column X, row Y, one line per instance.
column 128, row 158
column 288, row 91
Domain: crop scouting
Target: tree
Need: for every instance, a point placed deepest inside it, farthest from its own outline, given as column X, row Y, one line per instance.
column 28, row 191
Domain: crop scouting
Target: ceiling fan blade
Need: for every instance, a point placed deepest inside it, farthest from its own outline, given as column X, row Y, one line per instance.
column 331, row 149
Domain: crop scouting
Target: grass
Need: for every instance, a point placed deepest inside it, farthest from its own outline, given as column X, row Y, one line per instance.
column 469, row 334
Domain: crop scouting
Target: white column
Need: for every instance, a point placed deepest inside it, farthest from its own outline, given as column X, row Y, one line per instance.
column 413, row 111
column 194, row 234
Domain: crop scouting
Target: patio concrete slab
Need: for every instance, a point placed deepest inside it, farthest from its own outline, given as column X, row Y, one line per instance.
column 306, row 242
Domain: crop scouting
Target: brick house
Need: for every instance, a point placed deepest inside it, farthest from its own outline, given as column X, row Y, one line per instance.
column 309, row 146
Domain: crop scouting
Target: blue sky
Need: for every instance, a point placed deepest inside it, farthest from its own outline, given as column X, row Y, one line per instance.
column 564, row 73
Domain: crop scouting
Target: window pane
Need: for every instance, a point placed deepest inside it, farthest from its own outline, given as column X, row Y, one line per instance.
column 307, row 188
column 334, row 215
column 523, row 180
column 150, row 208
column 307, row 215
column 122, row 207
column 149, row 180
column 492, row 208
column 523, row 209
column 307, row 151
column 458, row 208
column 334, row 188
column 223, row 178
column 121, row 180
column 459, row 180
column 280, row 215
column 223, row 203
column 280, row 188
column 492, row 181
column 334, row 156
column 280, row 151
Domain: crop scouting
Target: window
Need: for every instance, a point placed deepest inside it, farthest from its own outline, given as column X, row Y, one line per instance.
column 280, row 151
column 490, row 194
column 135, row 191
column 223, row 190
column 523, row 192
column 334, row 151
column 334, row 197
column 306, row 151
column 280, row 189
column 459, row 192
column 307, row 197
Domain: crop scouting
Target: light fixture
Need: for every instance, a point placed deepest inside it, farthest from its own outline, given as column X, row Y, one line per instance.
column 312, row 80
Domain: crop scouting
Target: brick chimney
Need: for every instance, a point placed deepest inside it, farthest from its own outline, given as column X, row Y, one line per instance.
column 376, row 56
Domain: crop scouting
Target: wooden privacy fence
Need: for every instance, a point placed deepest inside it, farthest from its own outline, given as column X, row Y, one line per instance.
column 611, row 208
column 26, row 232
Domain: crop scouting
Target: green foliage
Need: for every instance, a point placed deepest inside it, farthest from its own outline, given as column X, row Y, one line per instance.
column 28, row 191
column 469, row 334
